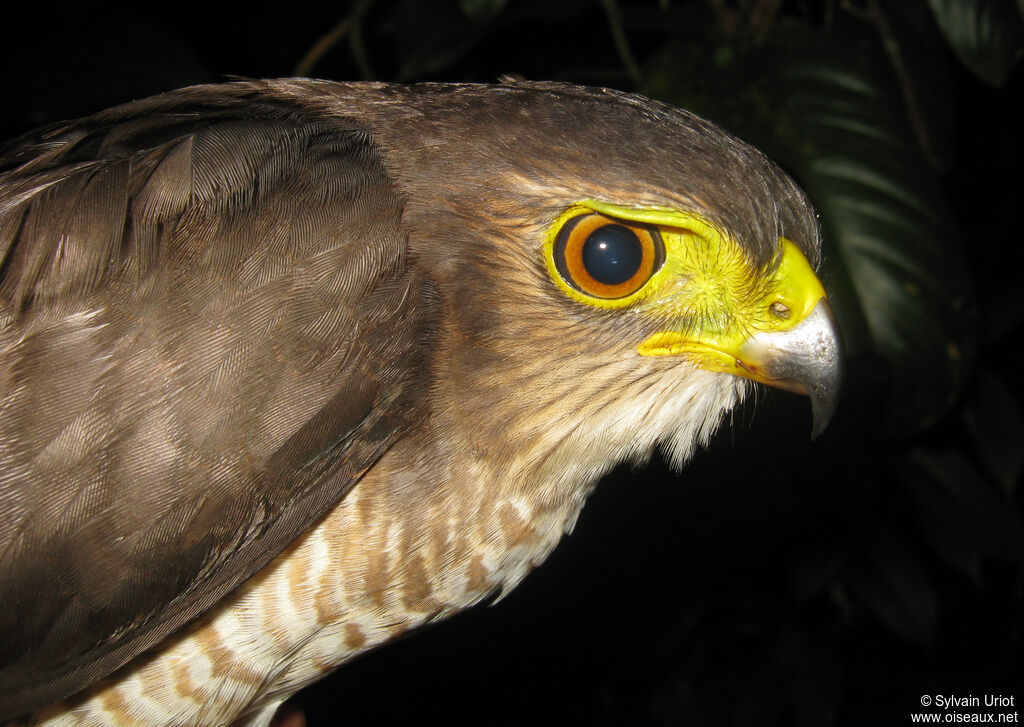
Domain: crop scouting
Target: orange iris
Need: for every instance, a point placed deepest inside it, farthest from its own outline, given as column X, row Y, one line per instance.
column 605, row 257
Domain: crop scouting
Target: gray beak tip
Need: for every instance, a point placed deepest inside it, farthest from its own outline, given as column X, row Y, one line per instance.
column 807, row 358
column 825, row 366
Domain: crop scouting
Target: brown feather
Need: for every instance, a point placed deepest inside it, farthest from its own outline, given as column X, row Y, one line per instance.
column 208, row 334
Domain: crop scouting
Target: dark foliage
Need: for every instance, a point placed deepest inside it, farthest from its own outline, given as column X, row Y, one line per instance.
column 776, row 581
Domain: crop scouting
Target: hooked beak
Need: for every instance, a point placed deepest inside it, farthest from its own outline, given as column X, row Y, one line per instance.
column 807, row 359
column 798, row 347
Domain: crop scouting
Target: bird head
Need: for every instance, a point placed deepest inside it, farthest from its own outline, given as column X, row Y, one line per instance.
column 595, row 248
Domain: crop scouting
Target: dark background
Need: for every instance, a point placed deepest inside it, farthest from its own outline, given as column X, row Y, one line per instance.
column 775, row 581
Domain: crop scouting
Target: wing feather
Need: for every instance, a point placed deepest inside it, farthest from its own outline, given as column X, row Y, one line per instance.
column 208, row 332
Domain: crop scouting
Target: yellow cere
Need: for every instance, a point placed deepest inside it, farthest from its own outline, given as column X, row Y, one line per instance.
column 706, row 284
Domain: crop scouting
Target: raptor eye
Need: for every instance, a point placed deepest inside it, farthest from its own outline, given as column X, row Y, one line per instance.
column 605, row 258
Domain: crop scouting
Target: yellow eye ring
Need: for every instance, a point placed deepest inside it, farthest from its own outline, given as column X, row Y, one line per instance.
column 605, row 257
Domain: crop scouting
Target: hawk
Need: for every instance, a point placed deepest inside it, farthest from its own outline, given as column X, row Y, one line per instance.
column 289, row 368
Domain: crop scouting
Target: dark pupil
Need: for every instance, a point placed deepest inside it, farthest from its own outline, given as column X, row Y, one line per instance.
column 612, row 254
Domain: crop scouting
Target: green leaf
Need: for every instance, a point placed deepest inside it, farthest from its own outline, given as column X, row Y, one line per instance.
column 986, row 35
column 431, row 37
column 996, row 424
column 891, row 582
column 477, row 9
column 961, row 515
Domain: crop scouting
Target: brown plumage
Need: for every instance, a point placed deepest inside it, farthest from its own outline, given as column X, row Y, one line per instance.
column 235, row 314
